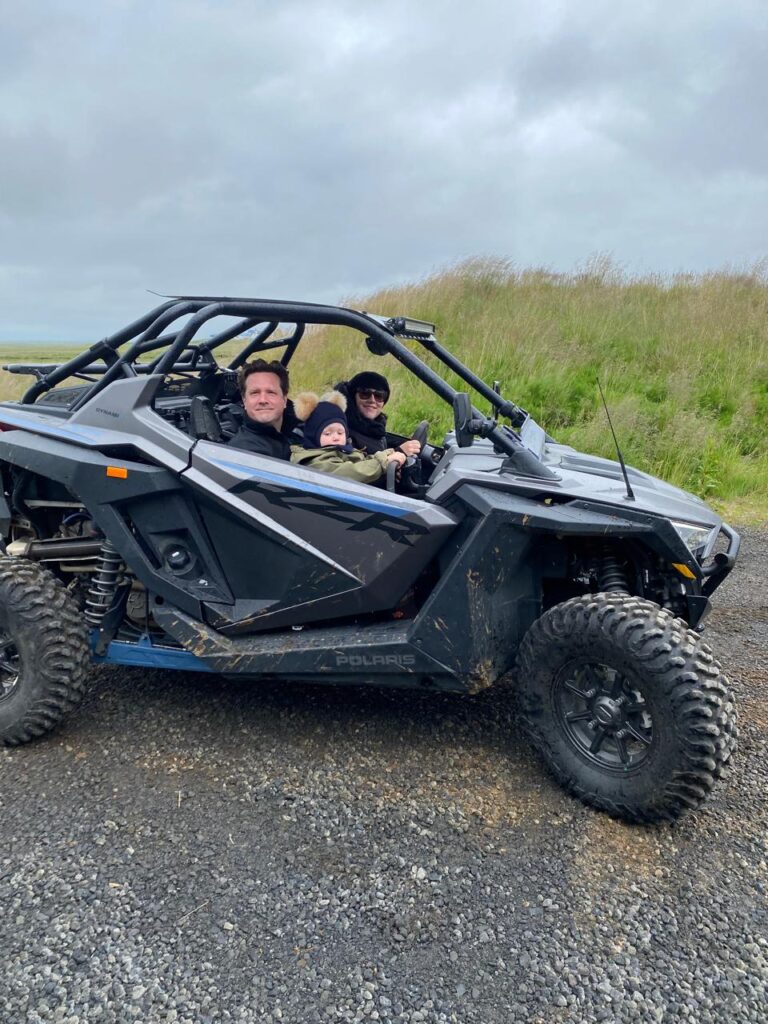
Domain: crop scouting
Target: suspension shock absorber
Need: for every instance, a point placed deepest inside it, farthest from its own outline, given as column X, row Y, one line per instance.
column 103, row 586
column 611, row 577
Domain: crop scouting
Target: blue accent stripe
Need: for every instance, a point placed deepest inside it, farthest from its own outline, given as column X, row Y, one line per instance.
column 143, row 654
column 54, row 429
column 370, row 504
column 93, row 434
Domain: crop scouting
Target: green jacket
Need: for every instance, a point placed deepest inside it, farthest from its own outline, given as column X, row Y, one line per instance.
column 366, row 469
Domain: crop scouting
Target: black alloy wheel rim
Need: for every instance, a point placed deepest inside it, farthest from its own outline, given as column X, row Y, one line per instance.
column 10, row 667
column 604, row 715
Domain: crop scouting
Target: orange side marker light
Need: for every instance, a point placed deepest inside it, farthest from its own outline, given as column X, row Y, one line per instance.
column 683, row 570
column 117, row 471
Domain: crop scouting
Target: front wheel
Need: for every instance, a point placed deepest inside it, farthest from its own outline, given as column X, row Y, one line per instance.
column 44, row 653
column 627, row 705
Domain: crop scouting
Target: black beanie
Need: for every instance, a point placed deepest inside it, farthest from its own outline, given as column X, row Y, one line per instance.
column 369, row 379
column 329, row 409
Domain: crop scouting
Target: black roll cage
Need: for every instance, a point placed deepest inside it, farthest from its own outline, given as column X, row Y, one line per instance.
column 102, row 363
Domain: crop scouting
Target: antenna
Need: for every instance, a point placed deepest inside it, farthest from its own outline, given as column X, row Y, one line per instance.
column 630, row 492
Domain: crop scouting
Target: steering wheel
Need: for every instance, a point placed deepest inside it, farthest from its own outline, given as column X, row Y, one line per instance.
column 420, row 435
column 421, row 432
column 392, row 468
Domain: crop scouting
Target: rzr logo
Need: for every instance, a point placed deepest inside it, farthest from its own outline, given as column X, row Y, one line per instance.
column 356, row 519
column 375, row 660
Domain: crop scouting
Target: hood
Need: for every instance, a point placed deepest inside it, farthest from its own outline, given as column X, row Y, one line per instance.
column 597, row 479
column 579, row 476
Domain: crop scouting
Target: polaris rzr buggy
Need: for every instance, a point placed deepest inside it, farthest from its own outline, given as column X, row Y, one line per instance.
column 135, row 535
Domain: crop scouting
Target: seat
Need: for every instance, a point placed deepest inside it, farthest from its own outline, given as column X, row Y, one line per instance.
column 203, row 423
column 231, row 419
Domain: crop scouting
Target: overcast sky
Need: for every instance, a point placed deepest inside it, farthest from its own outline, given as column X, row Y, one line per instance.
column 319, row 150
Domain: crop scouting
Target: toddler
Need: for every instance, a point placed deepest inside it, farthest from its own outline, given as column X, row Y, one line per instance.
column 326, row 441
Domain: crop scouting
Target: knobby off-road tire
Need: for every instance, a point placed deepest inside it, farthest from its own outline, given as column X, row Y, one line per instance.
column 44, row 653
column 627, row 705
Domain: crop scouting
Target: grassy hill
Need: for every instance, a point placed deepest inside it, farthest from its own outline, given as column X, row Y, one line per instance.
column 683, row 362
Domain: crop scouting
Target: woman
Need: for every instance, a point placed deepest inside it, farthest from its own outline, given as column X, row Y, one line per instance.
column 368, row 393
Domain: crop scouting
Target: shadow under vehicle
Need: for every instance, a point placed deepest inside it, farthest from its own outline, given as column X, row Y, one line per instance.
column 134, row 535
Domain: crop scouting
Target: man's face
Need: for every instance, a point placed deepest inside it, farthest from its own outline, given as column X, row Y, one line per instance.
column 264, row 400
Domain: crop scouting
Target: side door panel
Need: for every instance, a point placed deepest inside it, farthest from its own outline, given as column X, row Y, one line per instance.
column 297, row 545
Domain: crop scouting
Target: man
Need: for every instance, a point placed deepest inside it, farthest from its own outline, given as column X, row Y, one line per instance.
column 269, row 419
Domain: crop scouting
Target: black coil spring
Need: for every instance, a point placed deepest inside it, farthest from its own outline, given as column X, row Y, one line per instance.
column 610, row 575
column 103, row 586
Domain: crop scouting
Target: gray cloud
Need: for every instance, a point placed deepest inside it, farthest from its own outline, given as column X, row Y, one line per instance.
column 321, row 150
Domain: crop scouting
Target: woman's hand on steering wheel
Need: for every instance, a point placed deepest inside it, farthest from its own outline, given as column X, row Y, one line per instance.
column 412, row 447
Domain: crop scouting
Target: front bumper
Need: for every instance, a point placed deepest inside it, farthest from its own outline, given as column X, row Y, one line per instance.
column 715, row 571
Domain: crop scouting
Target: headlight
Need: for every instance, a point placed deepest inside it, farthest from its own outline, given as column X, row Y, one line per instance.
column 698, row 539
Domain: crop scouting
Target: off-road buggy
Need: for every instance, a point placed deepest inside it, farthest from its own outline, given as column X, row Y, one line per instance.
column 135, row 535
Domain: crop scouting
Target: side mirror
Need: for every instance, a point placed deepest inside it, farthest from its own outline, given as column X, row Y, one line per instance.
column 462, row 419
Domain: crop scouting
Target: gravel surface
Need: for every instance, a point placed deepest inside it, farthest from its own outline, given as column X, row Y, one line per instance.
column 186, row 849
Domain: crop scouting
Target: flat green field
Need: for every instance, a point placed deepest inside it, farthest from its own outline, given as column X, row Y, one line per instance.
column 683, row 362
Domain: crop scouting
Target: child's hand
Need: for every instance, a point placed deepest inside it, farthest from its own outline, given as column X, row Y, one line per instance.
column 398, row 457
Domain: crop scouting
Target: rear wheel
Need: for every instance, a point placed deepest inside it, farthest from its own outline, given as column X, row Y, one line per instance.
column 627, row 705
column 44, row 653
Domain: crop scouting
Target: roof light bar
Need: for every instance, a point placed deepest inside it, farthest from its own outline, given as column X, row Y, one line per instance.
column 407, row 327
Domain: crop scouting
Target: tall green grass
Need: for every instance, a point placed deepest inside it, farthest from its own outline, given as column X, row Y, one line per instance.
column 683, row 361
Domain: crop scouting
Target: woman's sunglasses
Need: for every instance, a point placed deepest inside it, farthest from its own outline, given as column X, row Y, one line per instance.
column 365, row 393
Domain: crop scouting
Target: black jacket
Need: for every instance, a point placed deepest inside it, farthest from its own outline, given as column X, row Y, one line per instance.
column 253, row 436
column 263, row 439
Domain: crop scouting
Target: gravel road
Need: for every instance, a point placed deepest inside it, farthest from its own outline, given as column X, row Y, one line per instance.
column 186, row 849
